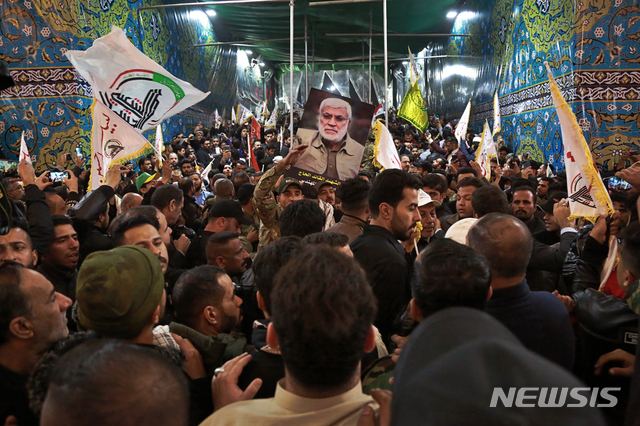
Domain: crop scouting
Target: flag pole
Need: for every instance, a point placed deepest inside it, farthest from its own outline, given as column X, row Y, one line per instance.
column 291, row 6
column 306, row 60
column 386, row 64
column 370, row 38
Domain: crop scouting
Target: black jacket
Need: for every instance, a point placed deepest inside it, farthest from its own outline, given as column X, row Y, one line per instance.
column 589, row 265
column 546, row 258
column 383, row 259
column 39, row 219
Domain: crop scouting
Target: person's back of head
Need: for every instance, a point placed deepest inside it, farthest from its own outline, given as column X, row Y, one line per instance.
column 269, row 260
column 195, row 290
column 186, row 185
column 323, row 309
column 164, row 195
column 505, row 242
column 630, row 253
column 224, row 189
column 520, row 182
column 115, row 383
column 449, row 274
column 301, row 218
column 240, row 179
column 489, row 199
column 556, row 187
column 245, row 193
column 354, row 196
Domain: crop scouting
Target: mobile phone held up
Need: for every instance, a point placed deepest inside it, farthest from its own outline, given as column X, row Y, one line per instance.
column 79, row 152
column 617, row 184
column 57, row 176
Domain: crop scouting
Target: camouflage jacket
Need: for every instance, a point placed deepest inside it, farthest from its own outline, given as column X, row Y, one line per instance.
column 266, row 207
column 268, row 211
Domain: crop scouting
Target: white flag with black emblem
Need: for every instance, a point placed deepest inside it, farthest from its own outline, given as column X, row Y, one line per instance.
column 131, row 84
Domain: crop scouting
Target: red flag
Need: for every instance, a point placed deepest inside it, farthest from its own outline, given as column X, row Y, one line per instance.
column 255, row 133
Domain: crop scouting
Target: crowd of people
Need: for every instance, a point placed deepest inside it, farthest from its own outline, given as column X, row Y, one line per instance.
column 196, row 289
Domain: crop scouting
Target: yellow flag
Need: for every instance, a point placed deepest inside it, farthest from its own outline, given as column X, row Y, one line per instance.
column 588, row 196
column 413, row 109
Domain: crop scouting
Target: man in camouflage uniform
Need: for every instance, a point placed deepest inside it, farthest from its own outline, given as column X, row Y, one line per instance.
column 268, row 208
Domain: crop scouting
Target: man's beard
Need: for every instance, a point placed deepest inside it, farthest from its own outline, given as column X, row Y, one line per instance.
column 228, row 323
column 398, row 229
column 333, row 139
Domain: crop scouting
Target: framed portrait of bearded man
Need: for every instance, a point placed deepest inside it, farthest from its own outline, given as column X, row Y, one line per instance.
column 335, row 129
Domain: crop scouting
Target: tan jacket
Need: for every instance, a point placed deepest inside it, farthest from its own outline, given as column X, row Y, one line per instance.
column 316, row 157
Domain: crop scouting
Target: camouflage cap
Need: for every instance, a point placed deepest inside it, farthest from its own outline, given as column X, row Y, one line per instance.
column 118, row 290
column 287, row 182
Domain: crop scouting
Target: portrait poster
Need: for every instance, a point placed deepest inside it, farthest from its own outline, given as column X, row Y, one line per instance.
column 336, row 129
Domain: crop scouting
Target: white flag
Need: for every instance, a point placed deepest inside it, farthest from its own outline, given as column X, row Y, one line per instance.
column 482, row 154
column 233, row 116
column 24, row 152
column 385, row 152
column 415, row 73
column 113, row 140
column 272, row 120
column 588, row 196
column 217, row 122
column 243, row 113
column 496, row 114
column 131, row 84
column 461, row 128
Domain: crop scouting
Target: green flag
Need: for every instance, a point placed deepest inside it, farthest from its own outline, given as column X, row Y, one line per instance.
column 413, row 109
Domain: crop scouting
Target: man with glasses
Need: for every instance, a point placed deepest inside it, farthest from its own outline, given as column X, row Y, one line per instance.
column 332, row 152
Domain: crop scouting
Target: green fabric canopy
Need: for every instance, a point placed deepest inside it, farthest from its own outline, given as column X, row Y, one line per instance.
column 260, row 21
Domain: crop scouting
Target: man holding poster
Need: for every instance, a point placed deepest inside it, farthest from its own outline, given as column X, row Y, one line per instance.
column 333, row 135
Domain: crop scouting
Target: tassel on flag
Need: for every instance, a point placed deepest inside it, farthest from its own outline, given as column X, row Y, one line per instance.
column 496, row 114
column 24, row 152
column 483, row 158
column 385, row 152
column 461, row 128
column 588, row 196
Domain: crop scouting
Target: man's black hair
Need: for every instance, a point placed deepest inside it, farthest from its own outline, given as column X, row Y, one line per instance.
column 435, row 182
column 520, row 182
column 450, row 274
column 332, row 239
column 301, row 218
column 217, row 241
column 59, row 220
column 354, row 194
column 388, row 187
column 504, row 149
column 118, row 383
column 131, row 223
column 630, row 248
column 185, row 184
column 268, row 262
column 196, row 289
column 489, row 199
column 466, row 170
column 163, row 196
column 322, row 300
column 470, row 181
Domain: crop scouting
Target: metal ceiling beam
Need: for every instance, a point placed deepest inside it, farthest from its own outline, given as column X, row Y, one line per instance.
column 332, row 2
column 394, row 35
column 210, row 3
column 246, row 42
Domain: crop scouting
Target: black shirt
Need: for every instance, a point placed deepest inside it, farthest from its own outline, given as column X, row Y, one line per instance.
column 14, row 400
column 383, row 259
